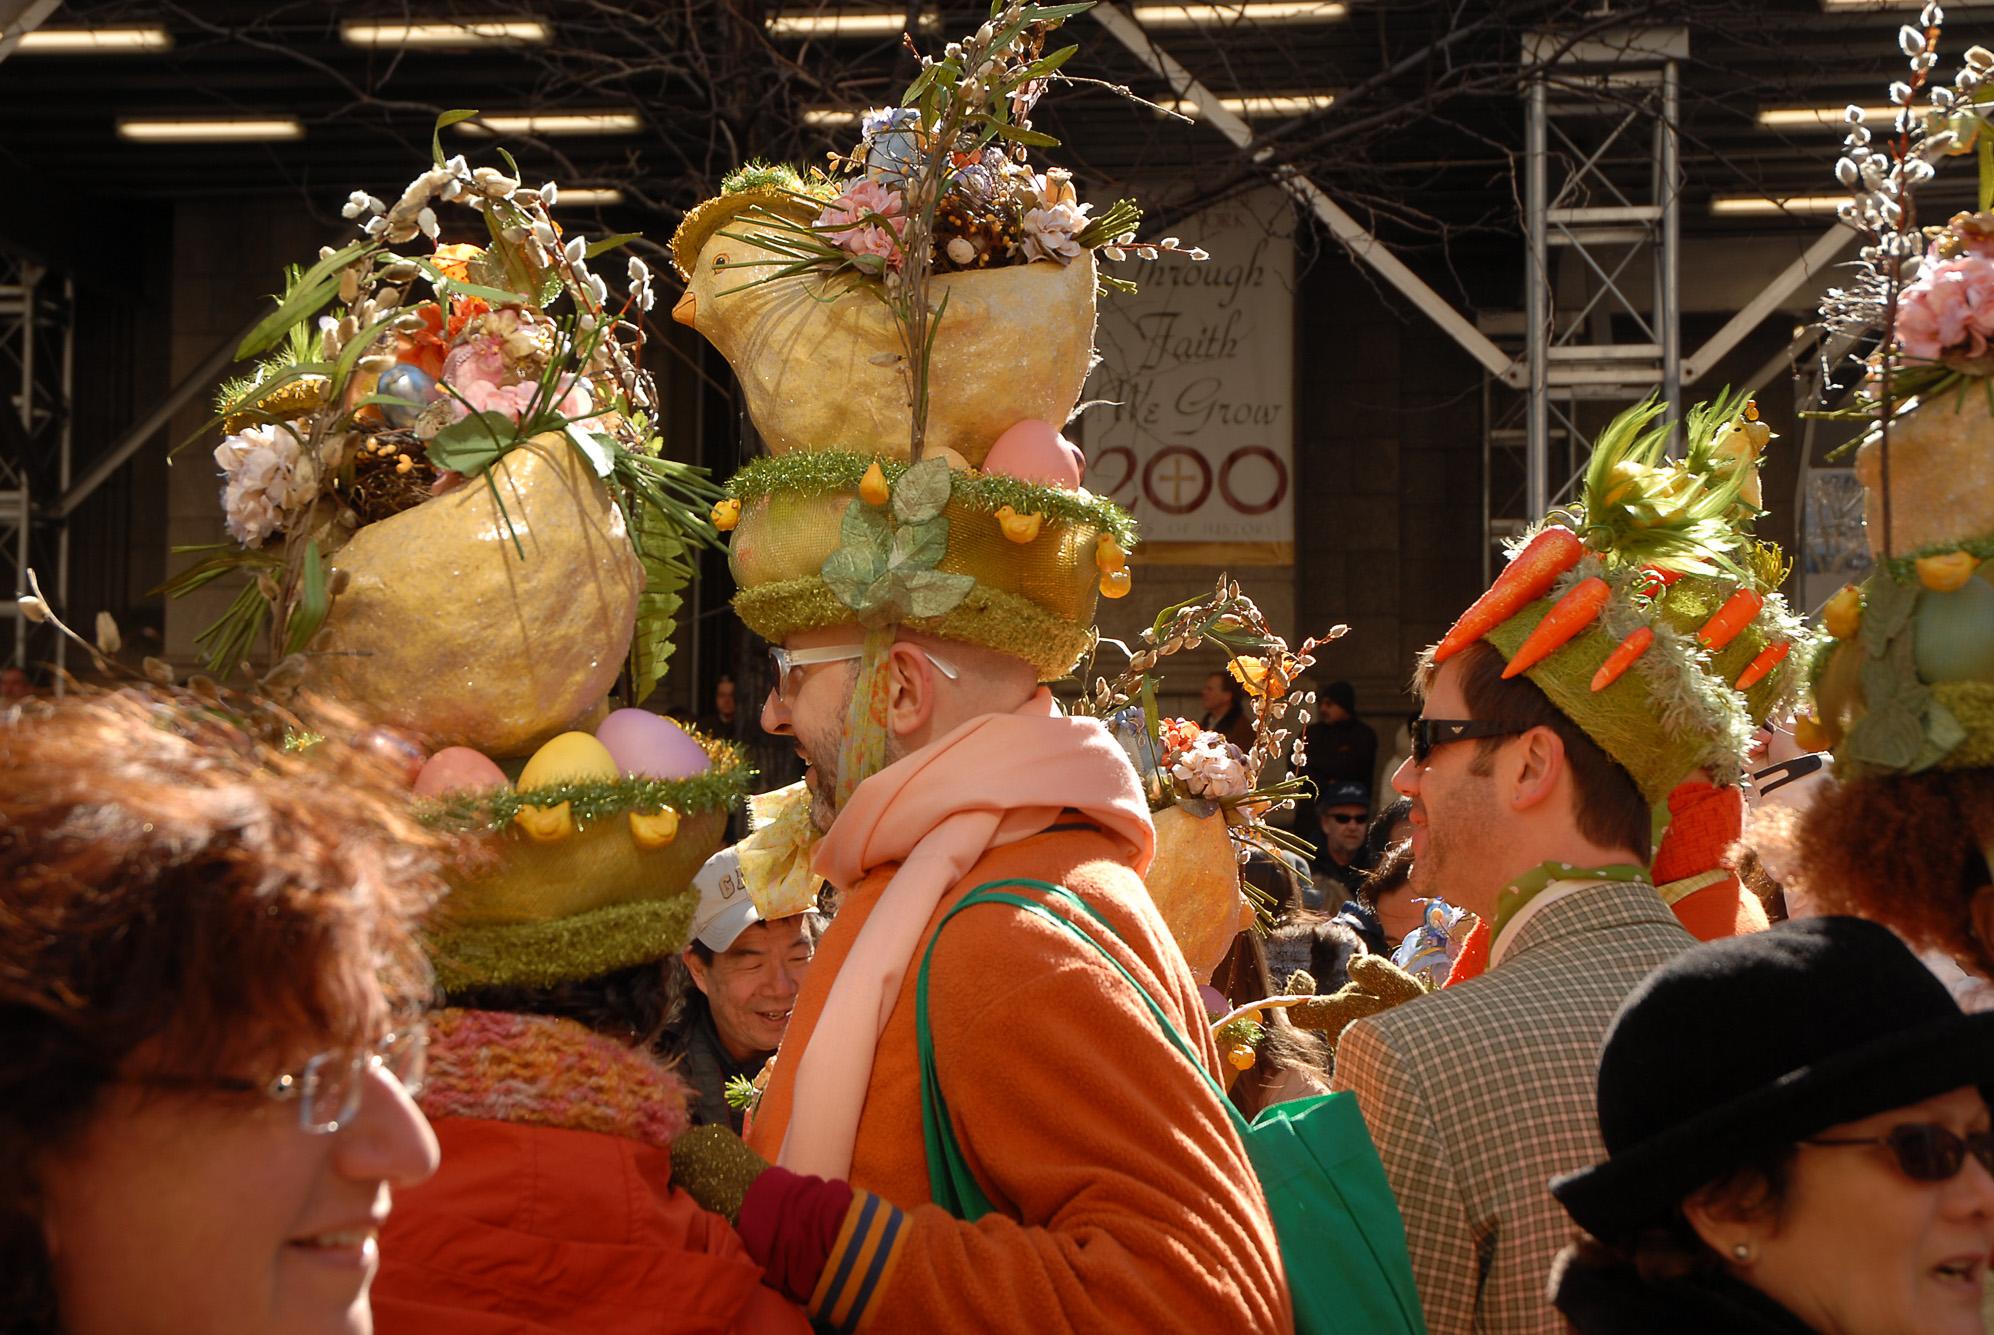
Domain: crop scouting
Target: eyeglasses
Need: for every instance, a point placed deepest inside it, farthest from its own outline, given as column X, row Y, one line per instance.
column 788, row 660
column 1344, row 818
column 1928, row 1152
column 328, row 1087
column 1429, row 734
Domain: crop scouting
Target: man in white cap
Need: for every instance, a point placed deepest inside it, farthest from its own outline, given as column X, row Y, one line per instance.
column 745, row 973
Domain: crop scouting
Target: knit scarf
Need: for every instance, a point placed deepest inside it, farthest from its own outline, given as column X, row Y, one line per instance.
column 1541, row 886
column 538, row 1070
column 993, row 781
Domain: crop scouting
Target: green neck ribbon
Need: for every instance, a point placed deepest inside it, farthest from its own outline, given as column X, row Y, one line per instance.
column 1535, row 881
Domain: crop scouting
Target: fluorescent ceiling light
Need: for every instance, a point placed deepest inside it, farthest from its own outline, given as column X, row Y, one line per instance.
column 847, row 23
column 557, row 123
column 215, row 131
column 1759, row 206
column 830, row 117
column 586, row 199
column 1252, row 11
column 1821, row 118
column 1264, row 107
column 469, row 33
column 1843, row 6
column 85, row 41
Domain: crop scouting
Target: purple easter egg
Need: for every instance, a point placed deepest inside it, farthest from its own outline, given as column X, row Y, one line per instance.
column 651, row 746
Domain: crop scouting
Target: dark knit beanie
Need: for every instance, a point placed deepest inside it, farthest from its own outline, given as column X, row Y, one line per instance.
column 1744, row 1045
column 1341, row 693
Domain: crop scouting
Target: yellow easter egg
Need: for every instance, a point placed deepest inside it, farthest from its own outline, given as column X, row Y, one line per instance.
column 573, row 757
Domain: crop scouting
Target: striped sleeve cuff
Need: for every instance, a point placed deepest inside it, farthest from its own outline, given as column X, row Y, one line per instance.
column 861, row 1259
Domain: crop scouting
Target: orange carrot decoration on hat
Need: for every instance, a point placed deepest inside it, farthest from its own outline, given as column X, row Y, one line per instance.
column 1623, row 657
column 1572, row 614
column 1732, row 617
column 1764, row 663
column 1523, row 581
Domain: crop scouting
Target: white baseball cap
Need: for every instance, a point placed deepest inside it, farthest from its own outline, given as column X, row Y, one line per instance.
column 724, row 906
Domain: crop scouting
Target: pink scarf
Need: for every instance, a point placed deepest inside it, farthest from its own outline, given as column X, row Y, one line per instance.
column 993, row 781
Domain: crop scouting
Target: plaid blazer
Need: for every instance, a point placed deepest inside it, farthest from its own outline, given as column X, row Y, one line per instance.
column 1479, row 1095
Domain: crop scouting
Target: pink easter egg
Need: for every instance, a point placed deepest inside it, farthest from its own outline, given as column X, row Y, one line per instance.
column 1033, row 452
column 651, row 746
column 459, row 769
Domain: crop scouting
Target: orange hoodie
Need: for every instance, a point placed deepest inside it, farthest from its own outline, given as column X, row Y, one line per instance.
column 1123, row 1199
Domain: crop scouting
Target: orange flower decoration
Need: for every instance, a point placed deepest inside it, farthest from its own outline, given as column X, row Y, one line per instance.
column 455, row 261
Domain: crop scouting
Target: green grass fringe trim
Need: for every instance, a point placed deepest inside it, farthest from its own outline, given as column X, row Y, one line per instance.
column 1972, row 703
column 1905, row 568
column 718, row 789
column 989, row 617
column 821, row 472
column 541, row 954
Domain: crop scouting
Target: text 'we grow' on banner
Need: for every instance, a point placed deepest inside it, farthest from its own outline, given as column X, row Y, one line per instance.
column 1193, row 432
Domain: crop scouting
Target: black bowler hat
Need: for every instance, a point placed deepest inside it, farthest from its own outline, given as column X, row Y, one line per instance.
column 1743, row 1045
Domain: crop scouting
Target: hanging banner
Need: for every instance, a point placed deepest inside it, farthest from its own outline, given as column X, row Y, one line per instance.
column 1193, row 433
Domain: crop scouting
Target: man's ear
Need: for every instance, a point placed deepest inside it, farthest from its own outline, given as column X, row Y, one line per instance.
column 695, row 966
column 1536, row 763
column 910, row 690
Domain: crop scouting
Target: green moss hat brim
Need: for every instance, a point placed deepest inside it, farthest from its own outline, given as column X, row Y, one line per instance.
column 542, row 954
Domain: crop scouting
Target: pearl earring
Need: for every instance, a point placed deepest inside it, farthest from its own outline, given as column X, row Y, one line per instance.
column 1742, row 1251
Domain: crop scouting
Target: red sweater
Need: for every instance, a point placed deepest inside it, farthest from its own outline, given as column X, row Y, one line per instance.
column 1123, row 1199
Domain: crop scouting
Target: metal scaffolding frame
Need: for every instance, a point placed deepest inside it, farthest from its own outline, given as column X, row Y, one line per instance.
column 1587, row 104
column 37, row 368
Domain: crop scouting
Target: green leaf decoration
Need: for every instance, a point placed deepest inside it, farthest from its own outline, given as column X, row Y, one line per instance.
column 457, row 287
column 599, row 450
column 662, row 551
column 933, row 593
column 1887, row 606
column 850, row 572
column 313, row 603
column 922, row 491
column 355, row 349
column 230, row 639
column 610, row 243
column 920, row 546
column 225, row 557
column 316, row 287
column 443, row 122
column 474, row 444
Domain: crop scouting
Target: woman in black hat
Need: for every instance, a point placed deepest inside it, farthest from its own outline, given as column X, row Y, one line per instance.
column 1798, row 1143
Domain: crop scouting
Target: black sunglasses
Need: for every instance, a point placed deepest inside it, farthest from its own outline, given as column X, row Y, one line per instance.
column 1428, row 734
column 1928, row 1152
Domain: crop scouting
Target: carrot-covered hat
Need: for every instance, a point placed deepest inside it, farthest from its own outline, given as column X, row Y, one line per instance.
column 1647, row 612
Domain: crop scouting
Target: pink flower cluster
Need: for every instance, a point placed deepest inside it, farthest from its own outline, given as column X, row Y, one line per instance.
column 1949, row 309
column 847, row 215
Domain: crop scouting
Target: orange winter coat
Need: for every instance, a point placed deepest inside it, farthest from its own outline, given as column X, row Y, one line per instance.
column 554, row 1211
column 1123, row 1199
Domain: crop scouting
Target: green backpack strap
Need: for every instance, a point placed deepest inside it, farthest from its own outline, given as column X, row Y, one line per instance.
column 950, row 1181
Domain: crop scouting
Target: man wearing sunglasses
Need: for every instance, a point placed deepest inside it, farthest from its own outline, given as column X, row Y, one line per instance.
column 1478, row 1095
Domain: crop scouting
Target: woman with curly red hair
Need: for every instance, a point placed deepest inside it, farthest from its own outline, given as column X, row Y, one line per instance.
column 1908, row 850
column 208, row 991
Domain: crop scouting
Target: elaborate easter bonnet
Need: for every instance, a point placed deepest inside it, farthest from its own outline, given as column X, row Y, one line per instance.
column 1646, row 612
column 1907, row 683
column 910, row 330
column 443, row 483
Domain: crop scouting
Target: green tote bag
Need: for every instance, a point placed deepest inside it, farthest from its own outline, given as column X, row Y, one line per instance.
column 1342, row 1240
